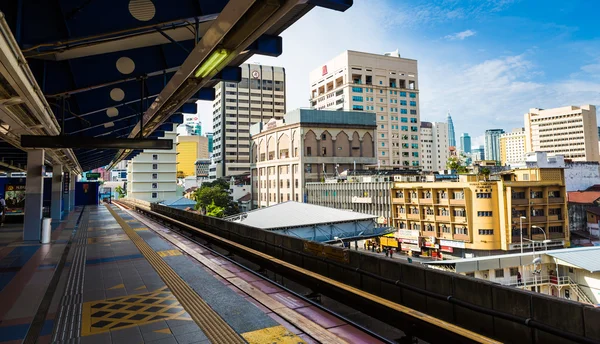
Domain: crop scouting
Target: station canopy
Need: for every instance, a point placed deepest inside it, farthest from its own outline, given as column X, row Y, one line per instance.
column 91, row 81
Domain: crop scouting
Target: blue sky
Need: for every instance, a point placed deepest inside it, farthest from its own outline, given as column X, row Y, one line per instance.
column 488, row 62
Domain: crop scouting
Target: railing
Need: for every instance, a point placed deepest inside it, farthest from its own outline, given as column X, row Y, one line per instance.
column 533, row 281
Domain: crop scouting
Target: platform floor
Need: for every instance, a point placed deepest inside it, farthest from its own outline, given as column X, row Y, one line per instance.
column 112, row 276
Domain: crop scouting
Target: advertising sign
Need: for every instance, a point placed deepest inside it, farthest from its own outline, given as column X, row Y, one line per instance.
column 14, row 195
column 92, row 176
column 409, row 247
column 324, row 70
column 450, row 243
column 447, row 249
column 356, row 199
column 408, row 233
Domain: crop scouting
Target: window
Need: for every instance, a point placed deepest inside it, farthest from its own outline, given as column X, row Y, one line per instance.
column 445, row 229
column 413, row 112
column 553, row 194
column 155, row 185
column 459, row 195
column 413, row 120
column 499, row 273
column 413, row 103
column 154, row 195
column 486, row 232
column 514, row 271
column 154, row 175
column 308, row 151
column 403, row 102
column 357, row 107
column 459, row 212
column 537, row 212
column 470, row 274
column 357, row 89
column 518, row 195
column 461, row 230
column 154, row 157
column 402, row 94
column 536, row 194
column 483, row 195
column 357, row 98
column 155, row 166
column 413, row 95
column 404, row 120
column 484, row 213
column 403, row 111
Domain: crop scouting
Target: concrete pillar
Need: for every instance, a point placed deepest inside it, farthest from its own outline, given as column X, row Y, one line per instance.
column 56, row 204
column 34, row 195
column 72, row 191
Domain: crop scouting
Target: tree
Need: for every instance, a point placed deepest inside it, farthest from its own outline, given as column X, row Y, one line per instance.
column 217, row 193
column 122, row 192
column 455, row 163
column 485, row 172
column 180, row 174
column 214, row 210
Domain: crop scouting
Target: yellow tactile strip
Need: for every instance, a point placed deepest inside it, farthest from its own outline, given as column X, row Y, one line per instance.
column 169, row 253
column 213, row 326
column 271, row 335
column 131, row 310
column 306, row 325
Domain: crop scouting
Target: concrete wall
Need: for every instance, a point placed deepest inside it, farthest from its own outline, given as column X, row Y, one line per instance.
column 581, row 175
column 414, row 286
column 578, row 216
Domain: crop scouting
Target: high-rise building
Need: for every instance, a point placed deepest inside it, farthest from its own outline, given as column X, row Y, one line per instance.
column 189, row 150
column 307, row 146
column 478, row 154
column 192, row 125
column 210, row 143
column 384, row 84
column 152, row 175
column 512, row 147
column 451, row 135
column 571, row 131
column 434, row 146
column 465, row 143
column 259, row 97
column 492, row 144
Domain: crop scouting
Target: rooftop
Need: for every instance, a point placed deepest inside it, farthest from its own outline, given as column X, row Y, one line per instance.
column 583, row 197
column 294, row 214
column 179, row 201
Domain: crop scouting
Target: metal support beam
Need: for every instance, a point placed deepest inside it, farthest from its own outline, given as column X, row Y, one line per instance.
column 32, row 141
column 174, row 41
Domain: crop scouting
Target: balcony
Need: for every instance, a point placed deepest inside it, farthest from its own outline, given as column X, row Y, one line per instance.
column 537, row 200
column 442, row 201
column 463, row 237
column 414, row 216
column 401, row 216
column 555, row 218
column 460, row 219
column 537, row 219
column 399, row 200
column 431, row 233
column 520, row 201
column 443, row 218
column 447, row 236
column 556, row 200
column 457, row 202
column 426, row 200
column 556, row 236
column 414, row 201
column 429, row 218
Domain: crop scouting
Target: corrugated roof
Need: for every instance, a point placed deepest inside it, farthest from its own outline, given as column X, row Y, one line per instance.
column 294, row 214
column 587, row 258
column 179, row 202
column 585, row 197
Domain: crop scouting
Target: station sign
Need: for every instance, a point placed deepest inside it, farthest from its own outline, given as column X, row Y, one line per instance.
column 66, row 182
column 92, row 176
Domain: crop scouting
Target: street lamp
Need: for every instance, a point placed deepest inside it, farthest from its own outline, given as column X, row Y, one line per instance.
column 546, row 241
column 521, row 229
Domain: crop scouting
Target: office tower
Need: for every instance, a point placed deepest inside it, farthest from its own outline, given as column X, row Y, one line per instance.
column 434, row 146
column 571, row 131
column 512, row 147
column 451, row 136
column 492, row 144
column 152, row 175
column 189, row 150
column 465, row 143
column 192, row 125
column 259, row 97
column 210, row 143
column 478, row 153
column 384, row 84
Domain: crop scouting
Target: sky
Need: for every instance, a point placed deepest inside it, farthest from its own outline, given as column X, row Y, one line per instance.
column 487, row 62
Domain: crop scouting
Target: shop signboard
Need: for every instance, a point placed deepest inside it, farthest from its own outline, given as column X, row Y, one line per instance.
column 409, row 241
column 408, row 233
column 447, row 249
column 450, row 243
column 409, row 247
column 14, row 195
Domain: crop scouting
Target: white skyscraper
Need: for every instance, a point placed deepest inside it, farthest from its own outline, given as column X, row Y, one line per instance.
column 259, row 97
column 434, row 146
column 152, row 175
column 384, row 84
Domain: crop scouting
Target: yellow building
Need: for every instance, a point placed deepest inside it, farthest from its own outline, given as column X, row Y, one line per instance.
column 190, row 149
column 512, row 147
column 474, row 217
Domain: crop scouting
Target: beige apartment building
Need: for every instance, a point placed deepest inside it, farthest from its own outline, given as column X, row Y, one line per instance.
column 434, row 146
column 571, row 131
column 384, row 84
column 307, row 145
column 512, row 147
column 259, row 97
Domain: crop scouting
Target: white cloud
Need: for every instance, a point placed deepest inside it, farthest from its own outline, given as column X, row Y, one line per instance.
column 460, row 35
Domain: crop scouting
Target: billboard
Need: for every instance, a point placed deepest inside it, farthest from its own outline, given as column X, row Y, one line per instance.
column 14, row 195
